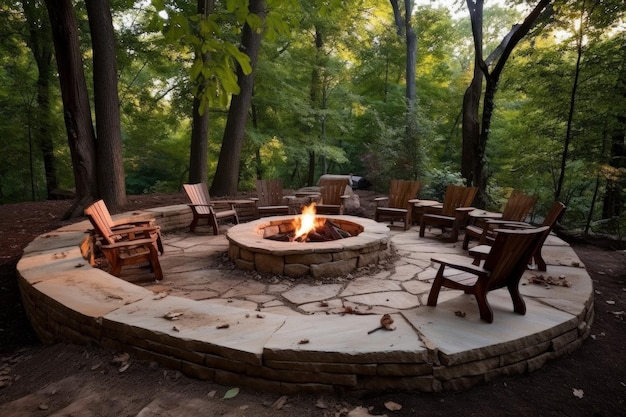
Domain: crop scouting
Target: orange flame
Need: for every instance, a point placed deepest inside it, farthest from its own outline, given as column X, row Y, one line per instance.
column 306, row 222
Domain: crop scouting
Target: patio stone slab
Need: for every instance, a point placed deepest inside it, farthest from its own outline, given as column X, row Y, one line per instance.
column 345, row 338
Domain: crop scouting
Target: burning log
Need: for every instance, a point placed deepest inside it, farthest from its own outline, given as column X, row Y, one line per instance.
column 329, row 231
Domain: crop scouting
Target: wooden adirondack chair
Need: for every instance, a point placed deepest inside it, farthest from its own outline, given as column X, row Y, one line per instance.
column 270, row 200
column 402, row 196
column 516, row 209
column 557, row 210
column 503, row 267
column 125, row 244
column 332, row 196
column 203, row 208
column 454, row 212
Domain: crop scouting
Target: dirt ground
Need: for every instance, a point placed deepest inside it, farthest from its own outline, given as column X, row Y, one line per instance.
column 590, row 381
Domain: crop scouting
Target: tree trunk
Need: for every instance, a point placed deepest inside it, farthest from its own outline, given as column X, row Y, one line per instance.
column 110, row 162
column 199, row 149
column 76, row 109
column 227, row 172
column 474, row 166
column 40, row 44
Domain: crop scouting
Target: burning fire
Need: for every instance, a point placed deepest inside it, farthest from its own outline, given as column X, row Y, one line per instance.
column 306, row 222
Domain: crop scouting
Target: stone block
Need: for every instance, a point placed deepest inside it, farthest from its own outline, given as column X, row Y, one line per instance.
column 296, row 270
column 333, row 269
column 269, row 263
column 309, row 258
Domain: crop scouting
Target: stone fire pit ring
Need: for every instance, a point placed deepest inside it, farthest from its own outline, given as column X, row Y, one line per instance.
column 249, row 249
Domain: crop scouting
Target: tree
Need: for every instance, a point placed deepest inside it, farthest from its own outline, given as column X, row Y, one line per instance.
column 40, row 44
column 109, row 164
column 199, row 148
column 475, row 132
column 77, row 111
column 227, row 173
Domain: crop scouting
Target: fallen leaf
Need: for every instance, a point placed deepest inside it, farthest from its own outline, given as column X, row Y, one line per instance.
column 392, row 406
column 321, row 404
column 460, row 313
column 223, row 326
column 172, row 315
column 211, row 394
column 231, row 393
column 160, row 295
column 303, row 342
column 359, row 412
column 121, row 358
column 176, row 329
column 43, row 407
column 578, row 393
column 386, row 322
column 260, row 316
column 280, row 403
column 610, row 302
column 124, row 367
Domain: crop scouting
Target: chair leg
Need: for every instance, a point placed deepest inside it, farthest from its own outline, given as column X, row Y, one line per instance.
column 539, row 261
column 155, row 264
column 214, row 225
column 436, row 287
column 466, row 240
column 486, row 314
column 519, row 306
column 193, row 224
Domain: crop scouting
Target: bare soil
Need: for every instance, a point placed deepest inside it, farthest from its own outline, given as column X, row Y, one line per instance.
column 590, row 381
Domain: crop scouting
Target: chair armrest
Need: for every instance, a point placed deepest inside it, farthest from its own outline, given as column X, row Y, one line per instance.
column 465, row 209
column 379, row 200
column 129, row 243
column 464, row 266
column 510, row 224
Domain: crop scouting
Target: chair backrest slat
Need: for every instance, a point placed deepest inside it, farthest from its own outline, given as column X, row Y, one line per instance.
column 198, row 194
column 457, row 196
column 518, row 206
column 270, row 192
column 401, row 191
column 101, row 220
column 510, row 254
column 331, row 190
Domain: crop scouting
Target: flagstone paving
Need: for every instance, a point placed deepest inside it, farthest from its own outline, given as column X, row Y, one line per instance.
column 304, row 335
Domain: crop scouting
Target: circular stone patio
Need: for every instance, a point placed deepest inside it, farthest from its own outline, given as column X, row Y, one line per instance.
column 287, row 335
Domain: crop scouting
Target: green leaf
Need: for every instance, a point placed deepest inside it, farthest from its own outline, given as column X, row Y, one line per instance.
column 231, row 393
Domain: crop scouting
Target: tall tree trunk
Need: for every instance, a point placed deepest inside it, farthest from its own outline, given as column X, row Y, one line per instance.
column 474, row 166
column 76, row 109
column 199, row 149
column 40, row 44
column 227, row 172
column 409, row 163
column 110, row 162
column 315, row 92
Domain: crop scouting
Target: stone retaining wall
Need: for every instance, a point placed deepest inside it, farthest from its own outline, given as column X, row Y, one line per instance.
column 69, row 301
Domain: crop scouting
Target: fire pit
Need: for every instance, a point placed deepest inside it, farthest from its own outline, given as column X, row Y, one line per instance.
column 271, row 245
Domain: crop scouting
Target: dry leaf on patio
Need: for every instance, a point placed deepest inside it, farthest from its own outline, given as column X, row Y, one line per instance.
column 386, row 322
column 160, row 295
column 280, row 403
column 460, row 313
column 303, row 342
column 121, row 358
column 392, row 406
column 578, row 393
column 231, row 393
column 172, row 315
column 223, row 326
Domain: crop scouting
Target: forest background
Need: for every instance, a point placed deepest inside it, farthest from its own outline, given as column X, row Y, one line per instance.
column 333, row 87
